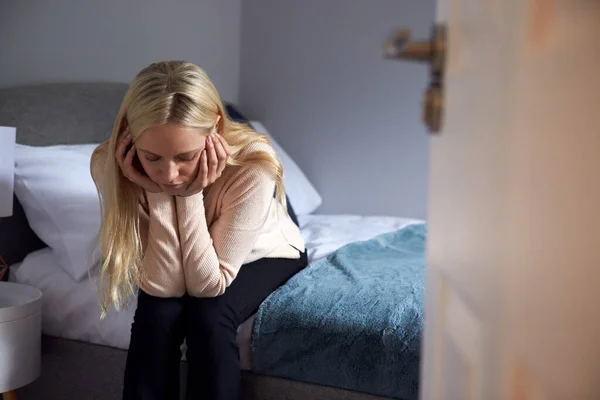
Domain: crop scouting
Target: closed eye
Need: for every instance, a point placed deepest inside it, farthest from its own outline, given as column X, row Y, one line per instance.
column 187, row 157
column 182, row 157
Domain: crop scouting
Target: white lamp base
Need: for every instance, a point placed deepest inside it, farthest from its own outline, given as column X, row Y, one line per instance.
column 20, row 335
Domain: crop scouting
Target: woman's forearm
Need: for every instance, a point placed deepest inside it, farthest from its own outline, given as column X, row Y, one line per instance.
column 203, row 273
column 212, row 257
column 162, row 262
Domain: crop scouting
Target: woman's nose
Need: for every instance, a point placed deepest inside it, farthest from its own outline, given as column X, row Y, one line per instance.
column 172, row 172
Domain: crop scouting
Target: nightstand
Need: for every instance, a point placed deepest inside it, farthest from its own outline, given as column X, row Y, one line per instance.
column 20, row 336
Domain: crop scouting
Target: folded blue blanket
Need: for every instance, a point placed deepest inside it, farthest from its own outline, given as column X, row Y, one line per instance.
column 352, row 320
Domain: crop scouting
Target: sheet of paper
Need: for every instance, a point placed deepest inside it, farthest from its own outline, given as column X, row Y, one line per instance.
column 7, row 169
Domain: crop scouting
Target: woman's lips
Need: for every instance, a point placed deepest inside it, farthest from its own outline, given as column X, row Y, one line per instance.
column 173, row 186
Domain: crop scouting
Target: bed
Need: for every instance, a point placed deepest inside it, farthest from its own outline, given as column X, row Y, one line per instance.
column 83, row 356
column 68, row 307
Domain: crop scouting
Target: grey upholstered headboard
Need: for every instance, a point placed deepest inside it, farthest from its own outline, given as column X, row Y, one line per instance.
column 62, row 113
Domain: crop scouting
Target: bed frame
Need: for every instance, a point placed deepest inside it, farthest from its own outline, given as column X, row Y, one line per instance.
column 75, row 113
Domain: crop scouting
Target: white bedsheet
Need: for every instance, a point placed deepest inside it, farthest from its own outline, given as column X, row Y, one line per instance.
column 326, row 233
column 71, row 309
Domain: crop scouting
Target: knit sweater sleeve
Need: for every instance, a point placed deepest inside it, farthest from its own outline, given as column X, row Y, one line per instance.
column 162, row 269
column 161, row 263
column 212, row 257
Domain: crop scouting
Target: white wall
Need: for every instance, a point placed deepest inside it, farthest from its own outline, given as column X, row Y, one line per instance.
column 111, row 40
column 312, row 71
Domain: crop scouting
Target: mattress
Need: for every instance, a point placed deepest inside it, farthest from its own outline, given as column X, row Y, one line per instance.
column 71, row 309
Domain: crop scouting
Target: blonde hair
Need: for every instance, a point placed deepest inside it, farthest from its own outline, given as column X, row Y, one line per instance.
column 174, row 92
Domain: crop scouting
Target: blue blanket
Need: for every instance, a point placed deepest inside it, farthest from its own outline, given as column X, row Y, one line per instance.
column 352, row 320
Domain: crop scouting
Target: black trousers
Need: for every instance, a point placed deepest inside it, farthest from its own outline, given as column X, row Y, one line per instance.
column 210, row 328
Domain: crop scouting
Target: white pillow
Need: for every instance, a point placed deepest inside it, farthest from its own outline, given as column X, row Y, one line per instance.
column 302, row 194
column 58, row 195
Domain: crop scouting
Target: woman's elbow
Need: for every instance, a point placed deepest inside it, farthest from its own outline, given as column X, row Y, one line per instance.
column 205, row 293
column 213, row 288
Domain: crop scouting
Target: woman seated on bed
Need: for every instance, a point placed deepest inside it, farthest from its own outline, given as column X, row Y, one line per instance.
column 194, row 215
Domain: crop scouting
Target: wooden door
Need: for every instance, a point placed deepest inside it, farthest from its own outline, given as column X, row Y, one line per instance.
column 513, row 258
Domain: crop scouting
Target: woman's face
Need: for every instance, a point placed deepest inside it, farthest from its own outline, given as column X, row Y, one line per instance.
column 169, row 154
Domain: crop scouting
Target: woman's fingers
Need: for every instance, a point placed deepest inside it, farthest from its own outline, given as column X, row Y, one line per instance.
column 124, row 140
column 213, row 161
column 221, row 155
column 121, row 149
column 129, row 170
column 199, row 182
column 224, row 144
column 203, row 173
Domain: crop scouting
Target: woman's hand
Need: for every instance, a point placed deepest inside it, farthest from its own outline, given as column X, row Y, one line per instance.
column 211, row 165
column 125, row 160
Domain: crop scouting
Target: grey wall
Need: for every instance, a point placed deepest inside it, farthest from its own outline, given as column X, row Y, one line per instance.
column 111, row 40
column 311, row 71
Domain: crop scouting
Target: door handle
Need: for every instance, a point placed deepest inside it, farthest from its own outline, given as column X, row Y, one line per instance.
column 433, row 52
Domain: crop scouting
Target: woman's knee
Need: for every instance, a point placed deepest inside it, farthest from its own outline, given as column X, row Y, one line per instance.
column 211, row 318
column 157, row 313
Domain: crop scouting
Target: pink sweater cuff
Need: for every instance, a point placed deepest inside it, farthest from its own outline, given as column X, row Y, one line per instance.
column 159, row 200
column 190, row 203
column 157, row 197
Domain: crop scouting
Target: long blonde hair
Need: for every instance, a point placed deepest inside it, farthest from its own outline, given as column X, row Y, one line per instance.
column 175, row 92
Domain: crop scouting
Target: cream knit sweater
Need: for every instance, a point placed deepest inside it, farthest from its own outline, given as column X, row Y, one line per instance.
column 197, row 244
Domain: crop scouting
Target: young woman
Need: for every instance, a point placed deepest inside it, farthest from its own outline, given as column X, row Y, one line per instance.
column 195, row 216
